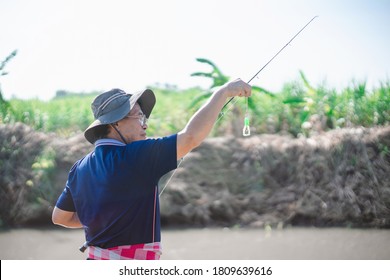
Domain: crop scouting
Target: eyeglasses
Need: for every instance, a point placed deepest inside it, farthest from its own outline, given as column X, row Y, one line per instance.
column 143, row 120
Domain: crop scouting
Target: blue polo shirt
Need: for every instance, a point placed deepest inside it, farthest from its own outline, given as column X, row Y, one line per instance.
column 114, row 190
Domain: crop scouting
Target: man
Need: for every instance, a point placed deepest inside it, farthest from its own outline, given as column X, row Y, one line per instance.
column 113, row 192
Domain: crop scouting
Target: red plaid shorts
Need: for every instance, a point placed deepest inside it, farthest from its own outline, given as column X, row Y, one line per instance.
column 149, row 251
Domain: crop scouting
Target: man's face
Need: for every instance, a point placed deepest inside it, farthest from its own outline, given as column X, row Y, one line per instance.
column 133, row 126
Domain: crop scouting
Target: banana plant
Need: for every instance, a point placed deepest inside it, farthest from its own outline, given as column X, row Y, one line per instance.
column 219, row 79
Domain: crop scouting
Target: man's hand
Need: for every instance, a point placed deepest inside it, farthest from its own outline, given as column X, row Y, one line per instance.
column 236, row 88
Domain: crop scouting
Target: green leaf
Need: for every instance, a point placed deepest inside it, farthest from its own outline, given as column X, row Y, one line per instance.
column 201, row 74
column 262, row 90
column 292, row 100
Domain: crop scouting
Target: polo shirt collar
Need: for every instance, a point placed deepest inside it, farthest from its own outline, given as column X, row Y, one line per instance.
column 108, row 141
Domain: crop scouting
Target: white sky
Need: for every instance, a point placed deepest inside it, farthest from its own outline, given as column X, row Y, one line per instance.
column 97, row 45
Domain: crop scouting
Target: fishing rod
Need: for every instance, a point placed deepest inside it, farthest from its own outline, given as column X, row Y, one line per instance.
column 246, row 129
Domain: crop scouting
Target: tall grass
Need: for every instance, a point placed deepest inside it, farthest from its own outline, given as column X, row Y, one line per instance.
column 61, row 115
column 298, row 109
column 72, row 114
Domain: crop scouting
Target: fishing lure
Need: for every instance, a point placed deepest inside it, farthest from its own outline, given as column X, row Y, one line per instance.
column 246, row 131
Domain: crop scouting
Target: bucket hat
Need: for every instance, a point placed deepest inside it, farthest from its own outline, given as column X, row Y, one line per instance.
column 113, row 105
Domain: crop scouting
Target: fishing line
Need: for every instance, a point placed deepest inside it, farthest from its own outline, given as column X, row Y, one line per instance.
column 169, row 179
column 246, row 129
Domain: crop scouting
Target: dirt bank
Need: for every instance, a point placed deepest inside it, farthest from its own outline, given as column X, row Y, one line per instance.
column 335, row 178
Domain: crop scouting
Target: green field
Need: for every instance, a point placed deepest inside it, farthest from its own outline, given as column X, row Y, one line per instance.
column 298, row 109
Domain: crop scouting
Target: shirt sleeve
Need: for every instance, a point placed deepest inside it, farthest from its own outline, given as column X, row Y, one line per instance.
column 65, row 201
column 167, row 156
column 160, row 155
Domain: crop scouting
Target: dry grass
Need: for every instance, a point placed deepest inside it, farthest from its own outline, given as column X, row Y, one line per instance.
column 338, row 177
